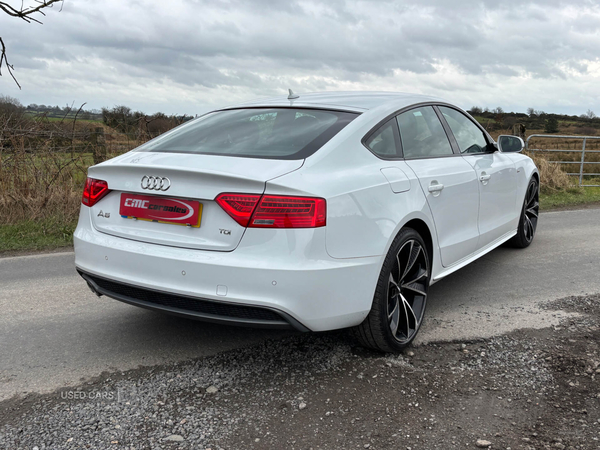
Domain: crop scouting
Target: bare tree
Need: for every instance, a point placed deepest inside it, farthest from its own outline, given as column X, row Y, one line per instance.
column 588, row 115
column 27, row 14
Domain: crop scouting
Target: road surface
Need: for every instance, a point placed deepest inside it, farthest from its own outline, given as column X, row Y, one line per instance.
column 54, row 332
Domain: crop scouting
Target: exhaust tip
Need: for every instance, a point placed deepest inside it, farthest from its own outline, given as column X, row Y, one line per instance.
column 93, row 289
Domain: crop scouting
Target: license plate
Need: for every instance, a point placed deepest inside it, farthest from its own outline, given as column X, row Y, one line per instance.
column 160, row 209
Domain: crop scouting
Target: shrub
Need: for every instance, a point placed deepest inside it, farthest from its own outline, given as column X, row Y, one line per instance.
column 552, row 177
column 586, row 131
column 551, row 125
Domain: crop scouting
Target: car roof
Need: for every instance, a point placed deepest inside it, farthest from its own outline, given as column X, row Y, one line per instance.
column 357, row 101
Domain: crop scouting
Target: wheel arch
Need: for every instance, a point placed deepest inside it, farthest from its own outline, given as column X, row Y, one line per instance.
column 422, row 223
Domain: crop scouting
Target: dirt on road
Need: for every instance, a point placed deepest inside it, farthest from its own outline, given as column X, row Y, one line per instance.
column 530, row 389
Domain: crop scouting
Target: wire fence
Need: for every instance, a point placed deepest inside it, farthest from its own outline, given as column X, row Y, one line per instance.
column 42, row 171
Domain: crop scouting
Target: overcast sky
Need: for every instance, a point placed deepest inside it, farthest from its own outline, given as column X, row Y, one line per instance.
column 190, row 56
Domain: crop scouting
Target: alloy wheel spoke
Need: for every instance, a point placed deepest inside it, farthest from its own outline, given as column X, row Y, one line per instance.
column 394, row 317
column 394, row 283
column 407, row 330
column 415, row 287
column 532, row 212
column 408, row 308
column 393, row 299
column 415, row 249
column 422, row 274
column 531, row 194
column 417, row 306
column 402, row 272
column 529, row 228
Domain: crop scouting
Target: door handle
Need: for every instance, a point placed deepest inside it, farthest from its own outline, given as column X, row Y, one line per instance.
column 484, row 177
column 436, row 187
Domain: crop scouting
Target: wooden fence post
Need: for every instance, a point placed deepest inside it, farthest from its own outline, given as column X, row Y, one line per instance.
column 98, row 145
column 519, row 130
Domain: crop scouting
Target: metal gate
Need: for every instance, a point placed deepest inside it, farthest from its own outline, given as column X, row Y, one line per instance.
column 581, row 162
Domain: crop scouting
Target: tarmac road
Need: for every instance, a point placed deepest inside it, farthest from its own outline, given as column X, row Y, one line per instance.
column 54, row 332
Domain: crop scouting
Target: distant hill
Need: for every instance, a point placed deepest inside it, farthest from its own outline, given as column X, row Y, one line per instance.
column 540, row 121
column 66, row 113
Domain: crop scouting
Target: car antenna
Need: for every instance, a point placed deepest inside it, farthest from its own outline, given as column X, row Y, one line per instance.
column 292, row 96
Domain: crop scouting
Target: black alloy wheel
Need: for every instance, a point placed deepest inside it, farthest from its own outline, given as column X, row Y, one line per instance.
column 401, row 296
column 529, row 216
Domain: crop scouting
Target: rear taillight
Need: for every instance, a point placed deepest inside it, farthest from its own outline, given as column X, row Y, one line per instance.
column 93, row 191
column 238, row 206
column 274, row 211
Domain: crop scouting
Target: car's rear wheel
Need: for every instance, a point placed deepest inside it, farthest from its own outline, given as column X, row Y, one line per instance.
column 400, row 297
column 529, row 216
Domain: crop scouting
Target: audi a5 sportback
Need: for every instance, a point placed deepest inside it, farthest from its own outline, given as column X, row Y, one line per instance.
column 316, row 212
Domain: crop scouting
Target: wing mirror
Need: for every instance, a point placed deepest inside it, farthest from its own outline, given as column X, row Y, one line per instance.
column 510, row 144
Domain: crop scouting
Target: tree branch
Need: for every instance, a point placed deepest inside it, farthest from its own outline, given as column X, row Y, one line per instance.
column 24, row 13
column 4, row 60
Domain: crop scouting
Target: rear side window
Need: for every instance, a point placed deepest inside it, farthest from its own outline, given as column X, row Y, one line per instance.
column 422, row 134
column 272, row 133
column 469, row 137
column 383, row 142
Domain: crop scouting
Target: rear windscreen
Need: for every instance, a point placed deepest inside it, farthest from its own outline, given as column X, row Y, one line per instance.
column 275, row 133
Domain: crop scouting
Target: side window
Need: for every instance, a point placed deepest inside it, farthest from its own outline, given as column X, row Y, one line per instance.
column 422, row 134
column 383, row 141
column 469, row 137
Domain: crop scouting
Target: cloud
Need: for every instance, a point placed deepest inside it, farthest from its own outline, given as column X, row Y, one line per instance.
column 190, row 56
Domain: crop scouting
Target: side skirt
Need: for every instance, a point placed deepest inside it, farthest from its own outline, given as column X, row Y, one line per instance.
column 469, row 259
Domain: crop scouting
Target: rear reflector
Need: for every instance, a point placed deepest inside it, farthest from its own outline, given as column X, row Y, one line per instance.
column 93, row 191
column 274, row 211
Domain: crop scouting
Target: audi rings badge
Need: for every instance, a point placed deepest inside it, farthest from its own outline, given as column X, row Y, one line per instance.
column 155, row 183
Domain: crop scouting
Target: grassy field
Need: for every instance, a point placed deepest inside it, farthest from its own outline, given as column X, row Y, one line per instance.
column 60, row 118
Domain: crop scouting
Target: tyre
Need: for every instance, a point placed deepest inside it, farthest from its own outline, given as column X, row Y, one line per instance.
column 400, row 296
column 529, row 217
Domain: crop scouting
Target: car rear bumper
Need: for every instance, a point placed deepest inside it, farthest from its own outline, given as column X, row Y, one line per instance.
column 275, row 278
column 191, row 307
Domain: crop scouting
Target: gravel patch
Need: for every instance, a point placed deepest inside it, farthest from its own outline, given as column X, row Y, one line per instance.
column 530, row 389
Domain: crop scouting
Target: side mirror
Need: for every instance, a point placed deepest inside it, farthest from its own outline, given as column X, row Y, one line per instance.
column 510, row 144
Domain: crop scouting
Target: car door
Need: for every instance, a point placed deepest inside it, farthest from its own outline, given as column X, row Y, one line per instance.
column 448, row 181
column 496, row 173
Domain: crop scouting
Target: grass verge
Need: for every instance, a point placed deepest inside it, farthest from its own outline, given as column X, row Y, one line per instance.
column 568, row 198
column 44, row 234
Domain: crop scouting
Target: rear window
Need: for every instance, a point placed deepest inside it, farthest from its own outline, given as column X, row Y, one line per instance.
column 272, row 133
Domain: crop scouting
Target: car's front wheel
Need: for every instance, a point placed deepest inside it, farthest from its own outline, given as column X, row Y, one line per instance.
column 529, row 216
column 400, row 297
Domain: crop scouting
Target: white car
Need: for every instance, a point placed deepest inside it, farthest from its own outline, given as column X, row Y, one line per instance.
column 315, row 212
